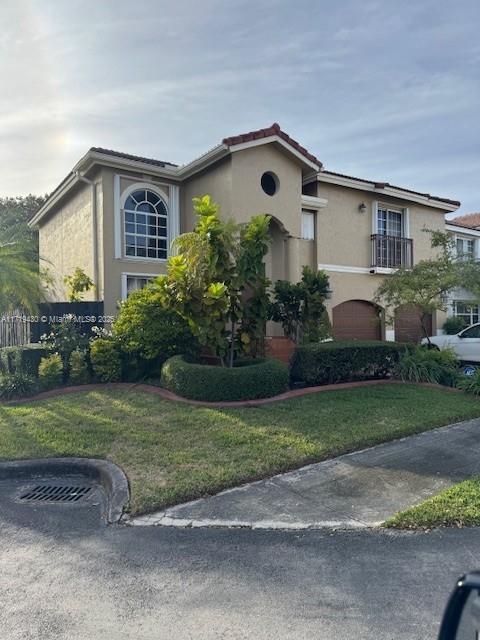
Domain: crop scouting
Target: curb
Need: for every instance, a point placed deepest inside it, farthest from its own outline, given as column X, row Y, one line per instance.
column 108, row 474
column 172, row 397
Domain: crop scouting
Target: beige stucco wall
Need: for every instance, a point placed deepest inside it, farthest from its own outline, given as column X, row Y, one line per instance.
column 115, row 267
column 66, row 240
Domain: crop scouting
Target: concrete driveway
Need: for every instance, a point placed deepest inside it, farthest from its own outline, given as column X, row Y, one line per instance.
column 64, row 575
column 357, row 490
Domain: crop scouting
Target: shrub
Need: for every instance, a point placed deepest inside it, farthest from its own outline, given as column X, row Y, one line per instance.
column 332, row 362
column 50, row 371
column 22, row 359
column 78, row 367
column 260, row 378
column 17, row 385
column 65, row 337
column 454, row 325
column 149, row 333
column 471, row 384
column 106, row 359
column 419, row 364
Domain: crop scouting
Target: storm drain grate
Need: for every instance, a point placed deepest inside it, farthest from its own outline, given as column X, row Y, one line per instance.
column 54, row 493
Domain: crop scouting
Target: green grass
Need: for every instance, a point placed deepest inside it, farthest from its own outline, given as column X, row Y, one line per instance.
column 458, row 506
column 173, row 452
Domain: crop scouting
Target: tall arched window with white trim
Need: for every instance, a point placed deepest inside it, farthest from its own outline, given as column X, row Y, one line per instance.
column 146, row 225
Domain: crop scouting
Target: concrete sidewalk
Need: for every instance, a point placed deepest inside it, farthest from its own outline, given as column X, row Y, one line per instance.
column 356, row 490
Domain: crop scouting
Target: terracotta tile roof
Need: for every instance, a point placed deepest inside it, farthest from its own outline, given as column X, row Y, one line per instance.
column 469, row 220
column 382, row 185
column 129, row 156
column 274, row 130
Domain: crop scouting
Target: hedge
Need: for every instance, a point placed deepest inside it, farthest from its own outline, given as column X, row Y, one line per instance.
column 22, row 359
column 332, row 362
column 260, row 378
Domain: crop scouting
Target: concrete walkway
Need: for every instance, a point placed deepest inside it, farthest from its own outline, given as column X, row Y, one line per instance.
column 356, row 490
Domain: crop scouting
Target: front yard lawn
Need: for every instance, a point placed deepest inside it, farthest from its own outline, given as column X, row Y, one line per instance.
column 173, row 452
column 458, row 506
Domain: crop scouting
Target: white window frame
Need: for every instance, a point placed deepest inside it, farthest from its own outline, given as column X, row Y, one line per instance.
column 464, row 315
column 465, row 239
column 171, row 201
column 308, row 234
column 130, row 274
column 376, row 205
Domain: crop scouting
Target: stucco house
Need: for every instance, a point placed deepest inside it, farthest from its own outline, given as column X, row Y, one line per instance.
column 466, row 232
column 115, row 216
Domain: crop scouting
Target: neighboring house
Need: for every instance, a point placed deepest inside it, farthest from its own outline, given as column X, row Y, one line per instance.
column 115, row 216
column 466, row 231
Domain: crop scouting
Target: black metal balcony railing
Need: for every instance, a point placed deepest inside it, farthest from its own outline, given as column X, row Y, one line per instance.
column 391, row 252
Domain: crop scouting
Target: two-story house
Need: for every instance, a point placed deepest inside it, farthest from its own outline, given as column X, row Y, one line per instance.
column 466, row 232
column 115, row 216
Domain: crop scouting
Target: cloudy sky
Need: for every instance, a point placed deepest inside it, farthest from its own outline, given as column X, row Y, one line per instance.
column 379, row 89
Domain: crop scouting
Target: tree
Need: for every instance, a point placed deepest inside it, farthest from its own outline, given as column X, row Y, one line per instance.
column 77, row 284
column 427, row 284
column 300, row 307
column 216, row 280
column 20, row 282
column 15, row 214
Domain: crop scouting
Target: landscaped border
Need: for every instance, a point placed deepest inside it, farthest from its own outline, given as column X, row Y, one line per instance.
column 168, row 395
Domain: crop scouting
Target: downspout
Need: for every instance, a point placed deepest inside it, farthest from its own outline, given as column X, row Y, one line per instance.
column 93, row 186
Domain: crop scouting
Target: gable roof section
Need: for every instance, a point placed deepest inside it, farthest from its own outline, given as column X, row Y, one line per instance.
column 129, row 156
column 469, row 220
column 269, row 132
column 386, row 187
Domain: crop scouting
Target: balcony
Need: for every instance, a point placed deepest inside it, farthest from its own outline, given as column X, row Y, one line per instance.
column 391, row 252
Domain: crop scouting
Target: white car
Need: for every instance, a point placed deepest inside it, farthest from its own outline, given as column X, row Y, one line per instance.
column 465, row 345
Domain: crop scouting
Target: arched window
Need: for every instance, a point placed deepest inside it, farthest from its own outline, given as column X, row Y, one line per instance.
column 146, row 225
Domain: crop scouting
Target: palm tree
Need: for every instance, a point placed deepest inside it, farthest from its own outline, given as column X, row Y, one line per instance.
column 20, row 281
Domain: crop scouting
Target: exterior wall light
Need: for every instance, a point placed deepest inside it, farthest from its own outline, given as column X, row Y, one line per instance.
column 362, row 207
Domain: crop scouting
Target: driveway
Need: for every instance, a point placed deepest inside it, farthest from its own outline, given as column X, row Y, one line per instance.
column 357, row 490
column 64, row 575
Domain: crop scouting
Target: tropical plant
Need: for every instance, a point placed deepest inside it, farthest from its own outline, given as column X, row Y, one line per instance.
column 21, row 283
column 427, row 284
column 419, row 364
column 216, row 280
column 300, row 307
column 15, row 213
column 470, row 384
column 77, row 284
column 17, row 385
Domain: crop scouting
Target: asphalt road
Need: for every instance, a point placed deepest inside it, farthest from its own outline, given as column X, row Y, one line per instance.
column 64, row 574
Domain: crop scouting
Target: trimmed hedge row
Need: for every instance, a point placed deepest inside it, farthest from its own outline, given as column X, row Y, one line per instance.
column 22, row 359
column 331, row 362
column 260, row 378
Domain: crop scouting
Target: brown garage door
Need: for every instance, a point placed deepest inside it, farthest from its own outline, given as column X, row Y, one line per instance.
column 408, row 325
column 356, row 320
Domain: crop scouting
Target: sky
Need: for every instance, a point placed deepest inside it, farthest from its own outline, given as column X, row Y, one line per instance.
column 385, row 90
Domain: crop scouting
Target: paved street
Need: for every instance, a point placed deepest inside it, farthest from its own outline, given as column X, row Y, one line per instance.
column 65, row 575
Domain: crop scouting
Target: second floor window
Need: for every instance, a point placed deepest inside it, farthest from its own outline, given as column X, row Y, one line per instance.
column 146, row 225
column 390, row 222
column 466, row 248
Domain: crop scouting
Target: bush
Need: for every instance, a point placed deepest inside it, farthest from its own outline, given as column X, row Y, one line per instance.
column 454, row 325
column 260, row 378
column 419, row 364
column 50, row 371
column 106, row 359
column 22, row 359
column 17, row 385
column 332, row 362
column 65, row 337
column 78, row 367
column 149, row 333
column 471, row 384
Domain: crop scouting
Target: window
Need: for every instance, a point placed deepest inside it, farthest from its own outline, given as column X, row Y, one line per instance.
column 137, row 282
column 466, row 248
column 269, row 183
column 390, row 222
column 145, row 220
column 473, row 332
column 308, row 225
column 467, row 311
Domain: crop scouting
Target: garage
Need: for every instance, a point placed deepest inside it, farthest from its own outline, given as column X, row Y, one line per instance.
column 357, row 320
column 408, row 325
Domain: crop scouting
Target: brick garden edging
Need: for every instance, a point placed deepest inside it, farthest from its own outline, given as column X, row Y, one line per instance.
column 168, row 395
